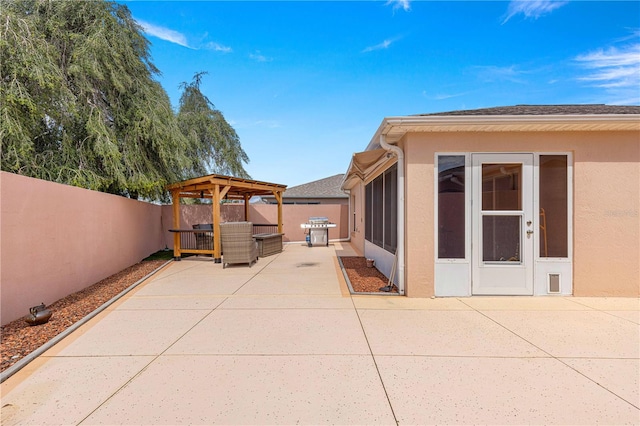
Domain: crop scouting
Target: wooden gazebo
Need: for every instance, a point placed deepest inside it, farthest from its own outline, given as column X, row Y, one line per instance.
column 218, row 188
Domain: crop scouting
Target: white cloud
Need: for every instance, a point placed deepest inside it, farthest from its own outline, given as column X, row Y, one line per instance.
column 259, row 57
column 492, row 73
column 217, row 47
column 444, row 96
column 380, row 46
column 164, row 33
column 399, row 4
column 613, row 68
column 532, row 8
column 178, row 38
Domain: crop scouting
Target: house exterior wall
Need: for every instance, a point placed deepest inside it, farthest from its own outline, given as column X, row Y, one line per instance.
column 606, row 243
column 58, row 239
column 357, row 229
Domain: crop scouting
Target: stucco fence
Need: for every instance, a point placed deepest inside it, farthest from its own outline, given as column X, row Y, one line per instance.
column 58, row 239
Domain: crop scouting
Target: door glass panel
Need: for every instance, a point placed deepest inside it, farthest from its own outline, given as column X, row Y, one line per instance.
column 554, row 201
column 501, row 238
column 502, row 187
column 451, row 225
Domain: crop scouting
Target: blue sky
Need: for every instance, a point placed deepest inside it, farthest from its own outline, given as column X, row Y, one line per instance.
column 307, row 83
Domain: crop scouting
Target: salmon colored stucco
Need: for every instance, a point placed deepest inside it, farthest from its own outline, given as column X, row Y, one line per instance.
column 604, row 212
column 58, row 239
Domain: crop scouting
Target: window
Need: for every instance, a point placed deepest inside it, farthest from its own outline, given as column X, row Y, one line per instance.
column 378, row 214
column 368, row 222
column 390, row 209
column 554, row 198
column 451, row 208
column 381, row 201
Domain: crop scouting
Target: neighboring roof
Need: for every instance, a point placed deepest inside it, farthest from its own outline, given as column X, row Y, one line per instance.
column 597, row 109
column 322, row 188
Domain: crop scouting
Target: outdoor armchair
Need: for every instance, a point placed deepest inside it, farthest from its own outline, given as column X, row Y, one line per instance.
column 238, row 244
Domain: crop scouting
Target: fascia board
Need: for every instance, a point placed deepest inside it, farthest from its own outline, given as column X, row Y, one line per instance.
column 396, row 127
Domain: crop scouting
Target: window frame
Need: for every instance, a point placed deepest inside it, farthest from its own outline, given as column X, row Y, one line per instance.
column 381, row 211
column 467, row 211
column 536, row 204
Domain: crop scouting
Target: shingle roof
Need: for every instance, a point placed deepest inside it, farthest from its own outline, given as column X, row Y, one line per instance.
column 546, row 110
column 323, row 188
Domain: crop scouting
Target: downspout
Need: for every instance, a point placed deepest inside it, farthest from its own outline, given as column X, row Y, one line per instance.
column 400, row 236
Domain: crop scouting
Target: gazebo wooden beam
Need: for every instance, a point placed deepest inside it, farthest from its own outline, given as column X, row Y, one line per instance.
column 217, row 187
column 217, row 252
column 278, row 196
column 175, row 196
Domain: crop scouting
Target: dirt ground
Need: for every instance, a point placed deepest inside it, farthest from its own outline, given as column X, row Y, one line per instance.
column 364, row 279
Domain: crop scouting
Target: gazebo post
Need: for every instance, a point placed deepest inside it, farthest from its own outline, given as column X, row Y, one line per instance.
column 246, row 207
column 213, row 220
column 217, row 256
column 278, row 196
column 175, row 197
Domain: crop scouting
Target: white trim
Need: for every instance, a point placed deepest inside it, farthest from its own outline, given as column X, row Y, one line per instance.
column 536, row 202
column 504, row 278
column 556, row 265
column 395, row 128
column 452, row 277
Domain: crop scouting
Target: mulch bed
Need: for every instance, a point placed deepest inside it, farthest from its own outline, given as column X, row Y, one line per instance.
column 364, row 279
column 19, row 339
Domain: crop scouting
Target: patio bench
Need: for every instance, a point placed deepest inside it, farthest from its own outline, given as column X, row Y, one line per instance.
column 204, row 240
column 269, row 244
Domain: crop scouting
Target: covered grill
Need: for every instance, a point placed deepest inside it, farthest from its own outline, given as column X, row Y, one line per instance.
column 317, row 230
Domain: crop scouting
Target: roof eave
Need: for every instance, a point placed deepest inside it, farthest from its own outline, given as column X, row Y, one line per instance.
column 394, row 128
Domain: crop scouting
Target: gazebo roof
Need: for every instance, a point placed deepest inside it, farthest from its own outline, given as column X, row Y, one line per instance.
column 202, row 187
column 218, row 187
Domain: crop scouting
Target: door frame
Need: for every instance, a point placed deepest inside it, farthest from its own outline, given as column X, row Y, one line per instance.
column 453, row 277
column 514, row 277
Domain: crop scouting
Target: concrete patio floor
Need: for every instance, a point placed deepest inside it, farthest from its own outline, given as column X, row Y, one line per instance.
column 283, row 342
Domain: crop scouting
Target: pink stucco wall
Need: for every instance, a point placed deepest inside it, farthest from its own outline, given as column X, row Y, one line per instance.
column 58, row 239
column 292, row 217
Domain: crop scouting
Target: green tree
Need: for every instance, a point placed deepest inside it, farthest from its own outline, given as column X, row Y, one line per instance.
column 79, row 103
column 210, row 136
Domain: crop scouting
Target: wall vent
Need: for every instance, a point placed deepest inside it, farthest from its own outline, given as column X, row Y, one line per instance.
column 553, row 281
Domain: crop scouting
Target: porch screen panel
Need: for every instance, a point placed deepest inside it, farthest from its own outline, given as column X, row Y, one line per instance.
column 554, row 199
column 381, row 210
column 390, row 208
column 451, row 208
column 368, row 223
column 377, row 211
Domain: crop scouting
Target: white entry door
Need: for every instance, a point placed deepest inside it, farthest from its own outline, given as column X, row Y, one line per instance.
column 502, row 224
